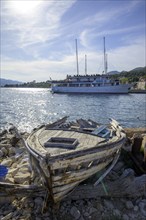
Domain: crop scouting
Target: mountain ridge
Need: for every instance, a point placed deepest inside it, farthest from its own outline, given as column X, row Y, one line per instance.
column 4, row 82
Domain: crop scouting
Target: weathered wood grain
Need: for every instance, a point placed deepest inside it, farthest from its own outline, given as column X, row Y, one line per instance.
column 79, row 160
column 81, row 174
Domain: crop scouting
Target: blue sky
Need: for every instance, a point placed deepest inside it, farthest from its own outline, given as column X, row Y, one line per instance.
column 38, row 37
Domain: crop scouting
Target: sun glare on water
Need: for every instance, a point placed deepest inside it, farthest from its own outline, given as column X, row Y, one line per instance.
column 24, row 7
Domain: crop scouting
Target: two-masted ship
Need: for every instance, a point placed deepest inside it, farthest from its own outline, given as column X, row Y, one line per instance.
column 90, row 83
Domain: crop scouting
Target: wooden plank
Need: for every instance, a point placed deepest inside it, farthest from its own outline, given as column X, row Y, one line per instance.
column 59, row 164
column 81, row 173
column 66, row 187
column 99, row 129
column 83, row 123
column 93, row 123
column 106, row 134
column 57, row 123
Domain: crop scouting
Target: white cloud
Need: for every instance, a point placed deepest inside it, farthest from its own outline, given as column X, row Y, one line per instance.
column 39, row 24
column 128, row 57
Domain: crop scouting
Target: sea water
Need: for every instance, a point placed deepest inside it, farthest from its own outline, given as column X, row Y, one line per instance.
column 28, row 108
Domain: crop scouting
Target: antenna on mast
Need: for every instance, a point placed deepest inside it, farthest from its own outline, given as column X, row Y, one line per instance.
column 77, row 57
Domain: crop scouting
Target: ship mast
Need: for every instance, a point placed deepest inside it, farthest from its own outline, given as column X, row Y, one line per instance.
column 105, row 58
column 85, row 64
column 77, row 58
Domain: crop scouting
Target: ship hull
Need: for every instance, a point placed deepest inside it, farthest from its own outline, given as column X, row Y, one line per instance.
column 117, row 89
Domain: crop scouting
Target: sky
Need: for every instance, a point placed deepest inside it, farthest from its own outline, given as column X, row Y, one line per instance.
column 38, row 37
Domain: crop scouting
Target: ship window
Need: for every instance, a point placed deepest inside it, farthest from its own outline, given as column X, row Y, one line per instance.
column 64, row 84
column 74, row 85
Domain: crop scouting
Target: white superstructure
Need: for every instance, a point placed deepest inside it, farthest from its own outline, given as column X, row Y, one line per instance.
column 89, row 84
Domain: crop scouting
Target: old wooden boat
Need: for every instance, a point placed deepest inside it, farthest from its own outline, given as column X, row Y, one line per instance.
column 65, row 154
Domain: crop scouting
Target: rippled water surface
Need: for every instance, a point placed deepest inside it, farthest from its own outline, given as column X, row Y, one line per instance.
column 28, row 108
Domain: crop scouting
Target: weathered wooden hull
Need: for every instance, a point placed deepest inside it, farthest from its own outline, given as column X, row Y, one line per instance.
column 63, row 184
column 62, row 173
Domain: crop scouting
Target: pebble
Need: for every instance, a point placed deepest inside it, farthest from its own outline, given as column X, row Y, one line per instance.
column 142, row 206
column 132, row 215
column 129, row 205
column 21, row 177
column 86, row 214
column 11, row 151
column 75, row 212
column 108, row 204
column 38, row 200
column 5, row 151
column 116, row 212
column 125, row 217
column 136, row 208
column 1, row 154
column 13, row 171
column 92, row 210
column 7, row 162
column 81, row 218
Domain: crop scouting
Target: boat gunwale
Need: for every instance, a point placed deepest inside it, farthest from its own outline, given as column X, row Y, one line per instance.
column 69, row 155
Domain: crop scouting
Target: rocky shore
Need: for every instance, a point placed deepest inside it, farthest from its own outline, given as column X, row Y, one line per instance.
column 14, row 156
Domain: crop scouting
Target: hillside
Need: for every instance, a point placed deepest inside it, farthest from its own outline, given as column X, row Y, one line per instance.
column 135, row 75
column 4, row 82
column 113, row 72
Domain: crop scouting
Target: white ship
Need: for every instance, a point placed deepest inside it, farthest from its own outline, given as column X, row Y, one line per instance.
column 90, row 83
